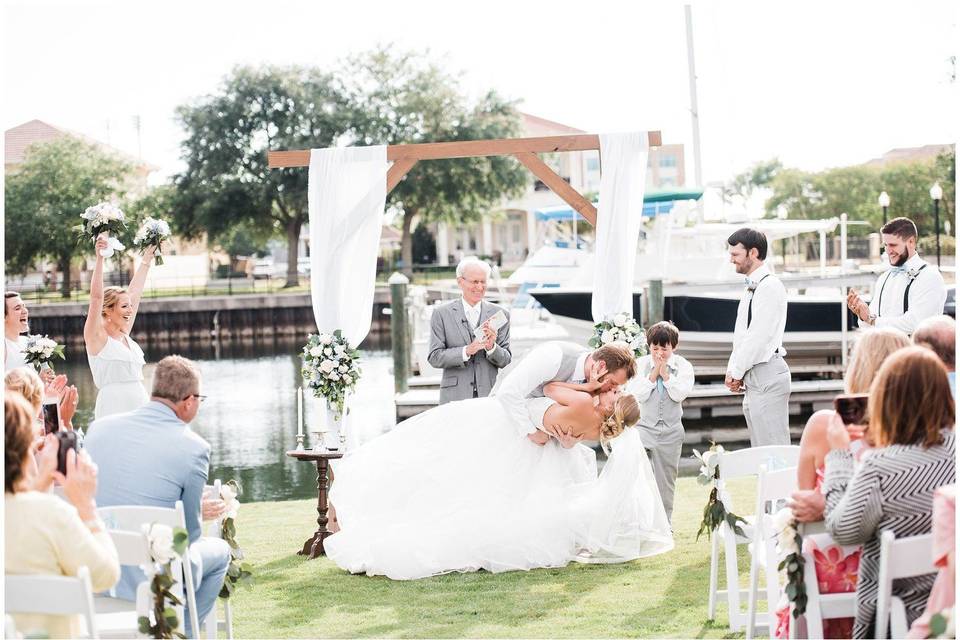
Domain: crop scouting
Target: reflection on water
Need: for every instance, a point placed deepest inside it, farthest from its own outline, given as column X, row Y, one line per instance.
column 249, row 417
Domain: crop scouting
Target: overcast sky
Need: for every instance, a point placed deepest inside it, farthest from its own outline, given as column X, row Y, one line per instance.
column 817, row 84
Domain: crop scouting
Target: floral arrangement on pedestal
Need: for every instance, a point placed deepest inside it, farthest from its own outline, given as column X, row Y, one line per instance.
column 238, row 571
column 330, row 368
column 620, row 327
column 790, row 545
column 166, row 543
column 40, row 351
column 152, row 233
column 715, row 512
column 103, row 218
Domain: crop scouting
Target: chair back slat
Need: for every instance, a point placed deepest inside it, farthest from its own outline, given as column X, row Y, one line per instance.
column 51, row 595
column 774, row 485
column 132, row 547
column 747, row 462
column 131, row 517
column 899, row 558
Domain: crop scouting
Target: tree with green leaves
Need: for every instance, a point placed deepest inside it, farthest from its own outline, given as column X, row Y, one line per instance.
column 407, row 98
column 44, row 198
column 757, row 176
column 227, row 181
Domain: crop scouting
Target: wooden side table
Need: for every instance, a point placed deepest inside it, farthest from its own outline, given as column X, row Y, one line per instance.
column 313, row 547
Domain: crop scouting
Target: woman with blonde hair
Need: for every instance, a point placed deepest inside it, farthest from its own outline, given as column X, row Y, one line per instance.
column 116, row 360
column 28, row 384
column 912, row 418
column 44, row 534
column 476, row 494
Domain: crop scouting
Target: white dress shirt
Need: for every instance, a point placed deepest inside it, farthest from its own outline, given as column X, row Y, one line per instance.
column 678, row 387
column 927, row 295
column 542, row 363
column 764, row 337
column 473, row 319
column 14, row 353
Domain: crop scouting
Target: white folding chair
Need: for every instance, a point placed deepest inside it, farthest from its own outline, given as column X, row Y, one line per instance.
column 899, row 558
column 820, row 606
column 118, row 618
column 213, row 625
column 739, row 464
column 772, row 487
column 51, row 595
column 131, row 518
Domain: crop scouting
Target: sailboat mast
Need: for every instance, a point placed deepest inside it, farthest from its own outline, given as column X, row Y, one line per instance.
column 694, row 110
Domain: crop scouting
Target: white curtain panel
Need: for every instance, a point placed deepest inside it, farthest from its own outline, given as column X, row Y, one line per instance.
column 623, row 160
column 346, row 196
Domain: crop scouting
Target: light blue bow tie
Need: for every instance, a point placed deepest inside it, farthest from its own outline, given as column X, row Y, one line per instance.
column 895, row 270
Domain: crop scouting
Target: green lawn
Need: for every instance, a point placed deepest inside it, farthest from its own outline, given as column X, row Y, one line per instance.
column 664, row 596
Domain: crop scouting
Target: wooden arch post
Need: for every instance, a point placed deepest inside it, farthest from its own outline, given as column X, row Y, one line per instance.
column 405, row 156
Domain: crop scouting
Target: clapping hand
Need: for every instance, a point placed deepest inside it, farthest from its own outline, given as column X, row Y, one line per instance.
column 68, row 405
column 489, row 336
column 858, row 306
column 48, row 446
column 55, row 384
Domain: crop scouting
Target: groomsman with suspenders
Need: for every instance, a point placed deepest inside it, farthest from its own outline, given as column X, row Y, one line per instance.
column 756, row 367
column 907, row 293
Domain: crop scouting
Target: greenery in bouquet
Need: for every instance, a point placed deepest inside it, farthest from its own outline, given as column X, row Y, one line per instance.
column 100, row 218
column 152, row 233
column 238, row 571
column 620, row 328
column 790, row 545
column 41, row 350
column 330, row 368
column 715, row 511
column 165, row 543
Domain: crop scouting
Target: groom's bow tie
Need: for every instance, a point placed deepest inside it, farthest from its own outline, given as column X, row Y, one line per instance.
column 751, row 285
column 896, row 270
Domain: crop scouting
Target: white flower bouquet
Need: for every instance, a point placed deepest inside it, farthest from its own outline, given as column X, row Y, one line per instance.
column 103, row 218
column 330, row 368
column 152, row 233
column 620, row 328
column 41, row 350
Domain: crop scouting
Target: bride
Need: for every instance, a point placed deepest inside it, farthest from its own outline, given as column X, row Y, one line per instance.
column 457, row 489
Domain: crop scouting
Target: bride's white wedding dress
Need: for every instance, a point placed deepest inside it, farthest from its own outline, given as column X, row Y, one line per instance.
column 457, row 489
column 118, row 373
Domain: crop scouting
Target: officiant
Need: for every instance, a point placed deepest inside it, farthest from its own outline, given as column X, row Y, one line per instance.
column 464, row 340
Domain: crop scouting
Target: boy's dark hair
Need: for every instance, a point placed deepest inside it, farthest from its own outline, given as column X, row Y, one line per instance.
column 750, row 239
column 662, row 334
column 904, row 228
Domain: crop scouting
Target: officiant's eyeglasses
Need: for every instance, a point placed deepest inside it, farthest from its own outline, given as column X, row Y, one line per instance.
column 199, row 397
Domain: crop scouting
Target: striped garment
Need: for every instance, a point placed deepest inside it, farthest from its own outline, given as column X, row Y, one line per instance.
column 891, row 490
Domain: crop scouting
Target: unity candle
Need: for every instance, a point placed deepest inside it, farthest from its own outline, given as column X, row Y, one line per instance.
column 300, row 411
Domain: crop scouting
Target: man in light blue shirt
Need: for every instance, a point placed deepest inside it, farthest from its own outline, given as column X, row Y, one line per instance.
column 939, row 334
column 151, row 457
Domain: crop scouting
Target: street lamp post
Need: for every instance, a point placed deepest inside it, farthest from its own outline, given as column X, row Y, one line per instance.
column 884, row 201
column 936, row 193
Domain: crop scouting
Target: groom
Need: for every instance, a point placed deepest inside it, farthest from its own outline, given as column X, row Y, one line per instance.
column 613, row 364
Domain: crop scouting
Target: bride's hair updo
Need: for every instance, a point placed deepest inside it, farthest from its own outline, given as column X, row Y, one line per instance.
column 111, row 296
column 626, row 413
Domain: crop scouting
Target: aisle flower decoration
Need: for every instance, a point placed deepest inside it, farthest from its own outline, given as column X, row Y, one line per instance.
column 41, row 350
column 152, row 233
column 714, row 513
column 620, row 328
column 790, row 545
column 103, row 218
column 330, row 368
column 238, row 571
column 166, row 543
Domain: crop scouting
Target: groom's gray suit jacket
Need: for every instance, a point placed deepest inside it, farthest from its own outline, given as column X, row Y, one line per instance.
column 450, row 332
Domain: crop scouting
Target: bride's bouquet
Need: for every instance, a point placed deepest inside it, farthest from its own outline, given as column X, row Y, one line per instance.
column 103, row 218
column 152, row 232
column 620, row 328
column 41, row 350
column 330, row 368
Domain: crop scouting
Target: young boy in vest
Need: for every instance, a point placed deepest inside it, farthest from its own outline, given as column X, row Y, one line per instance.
column 662, row 383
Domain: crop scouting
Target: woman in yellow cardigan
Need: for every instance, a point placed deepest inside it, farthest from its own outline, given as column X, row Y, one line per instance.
column 46, row 535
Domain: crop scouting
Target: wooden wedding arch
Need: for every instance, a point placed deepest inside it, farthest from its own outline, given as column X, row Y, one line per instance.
column 405, row 156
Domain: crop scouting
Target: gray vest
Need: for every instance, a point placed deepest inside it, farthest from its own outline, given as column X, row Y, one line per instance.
column 568, row 363
column 659, row 406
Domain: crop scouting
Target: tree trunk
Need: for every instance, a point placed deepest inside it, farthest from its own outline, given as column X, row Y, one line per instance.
column 406, row 244
column 293, row 254
column 63, row 264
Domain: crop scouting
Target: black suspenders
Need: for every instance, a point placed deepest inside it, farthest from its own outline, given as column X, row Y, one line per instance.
column 750, row 305
column 906, row 292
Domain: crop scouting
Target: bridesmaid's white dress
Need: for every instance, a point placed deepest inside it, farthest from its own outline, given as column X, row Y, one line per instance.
column 118, row 373
column 457, row 489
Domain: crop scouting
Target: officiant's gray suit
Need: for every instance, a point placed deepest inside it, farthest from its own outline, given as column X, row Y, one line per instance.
column 450, row 332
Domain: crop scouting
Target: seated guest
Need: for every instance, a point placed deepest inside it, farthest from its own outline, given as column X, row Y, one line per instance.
column 939, row 333
column 44, row 535
column 150, row 456
column 27, row 383
column 911, row 426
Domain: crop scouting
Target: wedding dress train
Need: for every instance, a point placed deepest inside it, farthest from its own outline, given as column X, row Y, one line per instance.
column 456, row 489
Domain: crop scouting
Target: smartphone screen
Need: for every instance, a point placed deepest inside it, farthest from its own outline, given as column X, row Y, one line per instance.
column 51, row 417
column 852, row 408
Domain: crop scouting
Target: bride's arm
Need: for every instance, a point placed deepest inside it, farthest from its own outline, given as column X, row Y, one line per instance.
column 568, row 394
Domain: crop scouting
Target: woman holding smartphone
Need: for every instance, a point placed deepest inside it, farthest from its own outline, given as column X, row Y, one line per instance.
column 116, row 360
